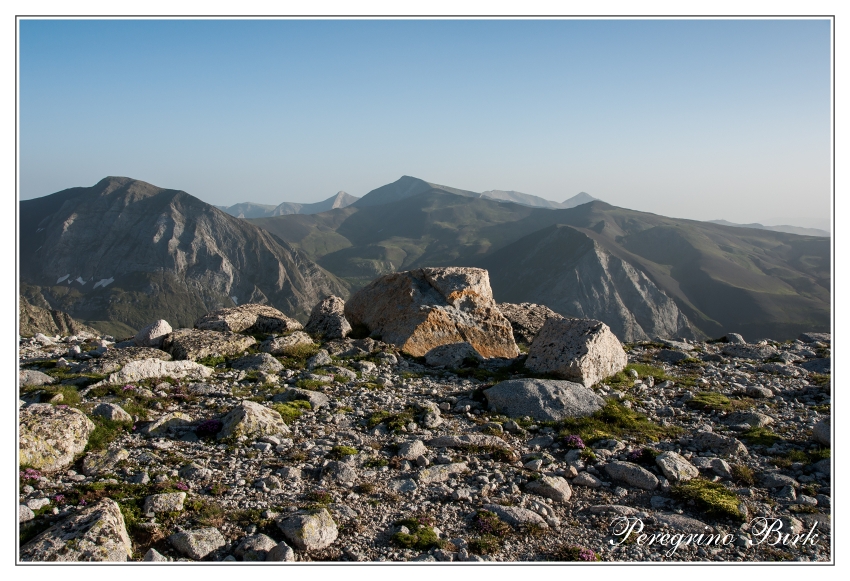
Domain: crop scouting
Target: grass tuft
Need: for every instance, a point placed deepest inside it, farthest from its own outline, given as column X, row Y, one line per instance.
column 711, row 497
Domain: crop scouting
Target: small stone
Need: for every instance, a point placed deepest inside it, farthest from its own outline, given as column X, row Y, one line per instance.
column 281, row 552
column 112, row 412
column 675, row 467
column 255, row 547
column 821, row 432
column 168, row 502
column 155, row 556
column 553, row 487
column 632, row 474
column 197, row 544
column 309, row 531
column 25, row 513
column 412, row 450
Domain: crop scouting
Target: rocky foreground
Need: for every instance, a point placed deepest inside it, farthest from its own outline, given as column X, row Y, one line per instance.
column 251, row 438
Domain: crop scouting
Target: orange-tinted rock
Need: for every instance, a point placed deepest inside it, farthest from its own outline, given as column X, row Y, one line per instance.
column 421, row 309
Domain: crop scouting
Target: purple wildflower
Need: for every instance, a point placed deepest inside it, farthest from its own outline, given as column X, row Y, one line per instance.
column 635, row 455
column 586, row 555
column 83, row 502
column 575, row 442
column 59, row 499
column 181, row 486
column 128, row 388
column 30, row 474
column 62, row 406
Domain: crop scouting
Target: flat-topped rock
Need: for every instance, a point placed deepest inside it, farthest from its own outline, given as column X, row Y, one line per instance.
column 194, row 344
column 542, row 399
column 421, row 309
column 249, row 318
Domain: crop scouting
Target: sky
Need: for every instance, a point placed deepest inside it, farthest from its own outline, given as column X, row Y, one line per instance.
column 700, row 119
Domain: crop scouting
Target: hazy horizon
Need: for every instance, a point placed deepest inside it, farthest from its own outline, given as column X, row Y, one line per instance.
column 699, row 119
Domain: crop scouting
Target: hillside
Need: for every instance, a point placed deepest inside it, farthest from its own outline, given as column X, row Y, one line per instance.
column 722, row 279
column 127, row 252
column 252, row 210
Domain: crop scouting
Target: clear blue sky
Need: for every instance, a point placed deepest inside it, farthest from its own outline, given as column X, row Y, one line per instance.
column 694, row 119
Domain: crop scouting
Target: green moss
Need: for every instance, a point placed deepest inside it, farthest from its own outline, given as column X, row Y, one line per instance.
column 291, row 410
column 340, row 452
column 375, row 462
column 713, row 401
column 711, row 497
column 760, row 436
column 105, row 431
column 743, row 474
column 421, row 536
column 623, row 379
column 313, row 384
column 615, row 420
column 393, row 421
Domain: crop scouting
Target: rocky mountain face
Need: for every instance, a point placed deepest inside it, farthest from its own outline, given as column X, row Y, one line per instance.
column 252, row 210
column 570, row 273
column 119, row 252
column 47, row 321
column 536, row 201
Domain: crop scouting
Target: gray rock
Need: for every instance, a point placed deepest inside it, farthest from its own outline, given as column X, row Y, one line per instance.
column 670, row 356
column 749, row 351
column 255, row 548
column 682, row 524
column 412, row 450
column 281, row 552
column 615, row 509
column 286, row 345
column 253, row 420
column 553, row 487
column 735, row 339
column 153, row 335
column 152, row 368
column 25, row 513
column 168, row 502
column 96, row 533
column 587, row 479
column 248, row 318
column 675, row 467
column 257, row 362
column 440, row 472
column 28, row 377
column 197, row 544
column 155, row 556
column 758, row 392
column 104, row 461
column 194, row 344
column 542, row 399
column 319, row 359
column 50, row 437
column 632, row 474
column 327, row 319
column 309, row 531
column 339, row 472
column 526, row 319
column 821, row 432
column 193, row 471
column 748, row 419
column 112, row 412
column 721, row 468
column 777, row 480
column 168, row 425
column 316, row 398
column 453, row 355
column 402, row 485
column 581, row 350
column 818, row 365
column 470, row 440
column 705, row 441
column 516, row 516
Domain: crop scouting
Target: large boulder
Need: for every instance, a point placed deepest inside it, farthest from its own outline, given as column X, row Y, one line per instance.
column 253, row 420
column 96, row 533
column 249, row 318
column 151, row 368
column 257, row 362
column 821, row 432
column 153, row 334
column 114, row 359
column 552, row 487
column 309, row 530
column 327, row 319
column 29, row 377
column 453, row 355
column 421, row 309
column 527, row 319
column 542, row 399
column 750, row 351
column 194, row 344
column 581, row 350
column 632, row 474
column 198, row 543
column 287, row 344
column 51, row 436
column 676, row 467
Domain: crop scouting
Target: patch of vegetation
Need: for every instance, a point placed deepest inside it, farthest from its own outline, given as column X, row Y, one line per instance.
column 421, row 536
column 296, row 357
column 615, row 420
column 822, row 408
column 713, row 401
column 743, row 474
column 690, row 362
column 105, row 431
column 760, row 436
column 312, row 384
column 375, row 462
column 320, row 496
column 711, row 497
column 393, row 421
column 490, row 529
column 291, row 410
column 821, row 379
column 64, row 373
column 212, row 360
column 575, row 553
column 624, row 380
column 340, row 452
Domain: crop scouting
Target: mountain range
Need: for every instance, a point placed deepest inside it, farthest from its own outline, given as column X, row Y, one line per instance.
column 783, row 228
column 252, row 210
column 123, row 252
